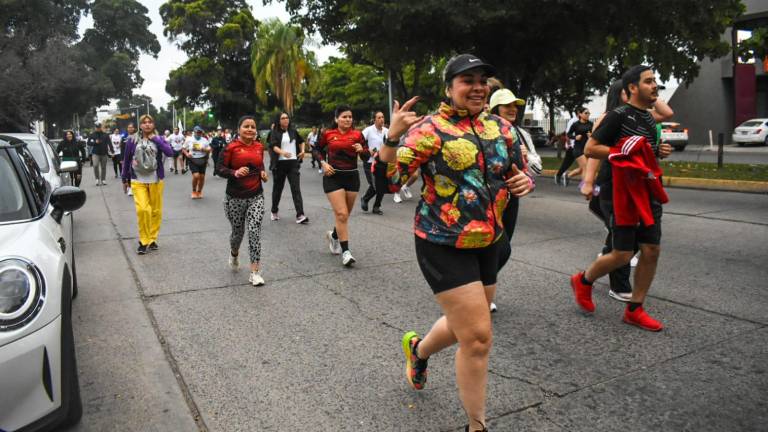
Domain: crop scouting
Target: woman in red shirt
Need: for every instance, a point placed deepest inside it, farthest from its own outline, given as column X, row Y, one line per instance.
column 338, row 150
column 242, row 164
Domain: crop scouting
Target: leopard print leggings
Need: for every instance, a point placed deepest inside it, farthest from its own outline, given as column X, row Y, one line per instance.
column 242, row 213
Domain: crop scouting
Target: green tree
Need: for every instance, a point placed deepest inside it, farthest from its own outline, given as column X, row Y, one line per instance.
column 51, row 74
column 756, row 46
column 592, row 41
column 359, row 86
column 280, row 63
column 217, row 35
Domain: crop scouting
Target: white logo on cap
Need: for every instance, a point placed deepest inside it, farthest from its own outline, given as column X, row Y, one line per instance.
column 473, row 60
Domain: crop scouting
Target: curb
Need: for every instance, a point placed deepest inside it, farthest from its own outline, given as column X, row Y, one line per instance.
column 705, row 184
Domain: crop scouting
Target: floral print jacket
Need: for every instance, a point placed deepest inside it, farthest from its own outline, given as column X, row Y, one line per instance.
column 464, row 162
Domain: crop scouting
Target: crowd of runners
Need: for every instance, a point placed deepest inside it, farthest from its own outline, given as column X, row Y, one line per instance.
column 475, row 165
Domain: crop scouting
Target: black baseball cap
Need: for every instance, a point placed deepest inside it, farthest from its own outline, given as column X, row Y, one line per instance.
column 464, row 62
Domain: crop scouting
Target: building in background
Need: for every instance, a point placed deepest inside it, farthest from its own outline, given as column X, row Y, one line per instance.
column 716, row 100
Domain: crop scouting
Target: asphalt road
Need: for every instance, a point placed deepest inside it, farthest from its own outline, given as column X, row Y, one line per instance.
column 174, row 341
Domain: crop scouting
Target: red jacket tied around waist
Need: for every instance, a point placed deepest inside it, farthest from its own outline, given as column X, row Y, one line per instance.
column 636, row 179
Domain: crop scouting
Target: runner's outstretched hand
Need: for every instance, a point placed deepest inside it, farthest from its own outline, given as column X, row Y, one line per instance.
column 402, row 118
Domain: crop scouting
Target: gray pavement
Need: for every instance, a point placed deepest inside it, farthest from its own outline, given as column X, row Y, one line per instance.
column 175, row 341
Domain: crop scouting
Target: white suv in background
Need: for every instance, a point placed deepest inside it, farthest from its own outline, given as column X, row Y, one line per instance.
column 753, row 131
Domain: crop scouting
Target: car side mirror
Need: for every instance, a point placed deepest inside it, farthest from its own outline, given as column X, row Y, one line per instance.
column 66, row 199
column 67, row 166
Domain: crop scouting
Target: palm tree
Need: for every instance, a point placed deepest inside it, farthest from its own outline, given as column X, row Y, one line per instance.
column 280, row 64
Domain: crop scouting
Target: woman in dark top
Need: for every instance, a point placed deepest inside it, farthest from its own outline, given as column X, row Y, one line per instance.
column 242, row 164
column 71, row 150
column 286, row 151
column 338, row 150
column 580, row 133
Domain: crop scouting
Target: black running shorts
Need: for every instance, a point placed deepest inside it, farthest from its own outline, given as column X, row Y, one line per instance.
column 347, row 180
column 447, row 267
column 198, row 165
column 624, row 237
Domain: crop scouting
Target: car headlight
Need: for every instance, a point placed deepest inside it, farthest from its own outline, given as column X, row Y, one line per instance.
column 22, row 293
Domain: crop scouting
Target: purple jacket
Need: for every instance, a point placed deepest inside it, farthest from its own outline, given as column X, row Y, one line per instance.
column 130, row 148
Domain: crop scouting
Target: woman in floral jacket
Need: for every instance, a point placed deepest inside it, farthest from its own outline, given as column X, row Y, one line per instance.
column 465, row 157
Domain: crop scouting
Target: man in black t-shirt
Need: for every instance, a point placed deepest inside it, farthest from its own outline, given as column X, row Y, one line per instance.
column 627, row 120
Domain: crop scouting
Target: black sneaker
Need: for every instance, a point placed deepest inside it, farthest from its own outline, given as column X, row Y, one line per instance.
column 377, row 210
column 142, row 250
column 466, row 429
column 364, row 204
column 153, row 246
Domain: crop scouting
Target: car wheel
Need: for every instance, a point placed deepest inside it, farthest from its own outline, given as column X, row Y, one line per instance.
column 679, row 148
column 70, row 385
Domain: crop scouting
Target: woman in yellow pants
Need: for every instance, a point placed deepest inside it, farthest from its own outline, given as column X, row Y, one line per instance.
column 143, row 172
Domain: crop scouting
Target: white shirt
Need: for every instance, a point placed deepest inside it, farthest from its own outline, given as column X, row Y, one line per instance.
column 375, row 138
column 196, row 147
column 287, row 145
column 176, row 141
column 116, row 138
column 569, row 142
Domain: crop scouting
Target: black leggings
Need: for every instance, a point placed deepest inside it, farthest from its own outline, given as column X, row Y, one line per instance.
column 117, row 164
column 377, row 182
column 287, row 169
column 567, row 162
column 509, row 219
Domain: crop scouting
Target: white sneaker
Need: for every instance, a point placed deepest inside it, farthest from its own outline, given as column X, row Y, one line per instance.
column 98, row 182
column 274, row 216
column 255, row 279
column 493, row 307
column 347, row 259
column 103, row 183
column 405, row 191
column 622, row 297
column 234, row 261
column 333, row 244
column 302, row 219
column 130, row 192
column 320, row 171
column 397, row 198
column 633, row 261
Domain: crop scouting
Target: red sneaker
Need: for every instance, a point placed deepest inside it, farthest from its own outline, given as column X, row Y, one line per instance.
column 582, row 292
column 641, row 319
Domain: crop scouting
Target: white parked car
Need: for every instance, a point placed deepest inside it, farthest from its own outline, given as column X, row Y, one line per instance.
column 753, row 131
column 39, row 387
column 42, row 150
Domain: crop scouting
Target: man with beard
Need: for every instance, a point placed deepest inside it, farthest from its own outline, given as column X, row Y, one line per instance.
column 630, row 120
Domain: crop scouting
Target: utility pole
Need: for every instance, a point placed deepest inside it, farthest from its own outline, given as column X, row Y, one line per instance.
column 389, row 90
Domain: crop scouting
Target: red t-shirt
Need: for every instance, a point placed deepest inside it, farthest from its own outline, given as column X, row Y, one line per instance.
column 238, row 155
column 336, row 148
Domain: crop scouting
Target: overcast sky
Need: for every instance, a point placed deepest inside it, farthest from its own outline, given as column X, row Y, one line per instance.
column 155, row 71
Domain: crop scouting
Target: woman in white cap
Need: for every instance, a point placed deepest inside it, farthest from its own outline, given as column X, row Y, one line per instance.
column 505, row 104
column 465, row 156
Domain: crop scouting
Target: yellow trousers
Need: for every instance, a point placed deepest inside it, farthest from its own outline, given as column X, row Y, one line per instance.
column 148, row 198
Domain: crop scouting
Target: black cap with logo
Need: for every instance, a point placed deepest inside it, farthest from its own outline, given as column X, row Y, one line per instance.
column 464, row 62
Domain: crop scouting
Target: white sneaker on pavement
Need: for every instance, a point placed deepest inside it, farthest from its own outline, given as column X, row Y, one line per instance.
column 130, row 192
column 397, row 198
column 405, row 191
column 620, row 296
column 234, row 261
column 633, row 261
column 255, row 279
column 493, row 307
column 274, row 216
column 333, row 244
column 347, row 259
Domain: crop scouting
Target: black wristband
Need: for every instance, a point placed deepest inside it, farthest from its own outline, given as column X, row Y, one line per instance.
column 390, row 143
